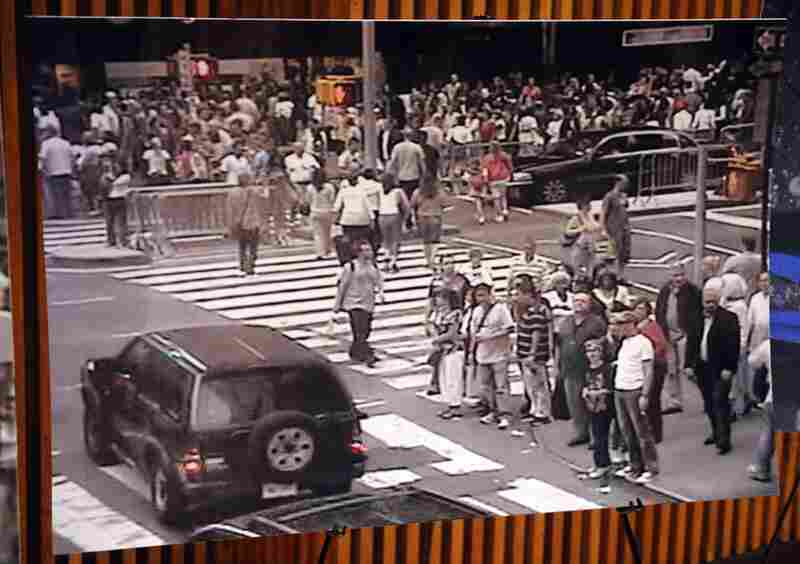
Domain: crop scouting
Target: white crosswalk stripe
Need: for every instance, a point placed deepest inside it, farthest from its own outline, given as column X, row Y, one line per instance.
column 60, row 233
column 295, row 294
column 78, row 516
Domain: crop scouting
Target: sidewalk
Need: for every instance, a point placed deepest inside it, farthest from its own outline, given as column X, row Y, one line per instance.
column 661, row 203
column 682, row 453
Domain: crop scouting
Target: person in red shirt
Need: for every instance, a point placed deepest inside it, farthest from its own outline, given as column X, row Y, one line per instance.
column 497, row 170
column 488, row 129
column 648, row 327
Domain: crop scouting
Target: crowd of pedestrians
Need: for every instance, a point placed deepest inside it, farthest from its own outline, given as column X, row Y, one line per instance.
column 612, row 363
column 163, row 135
column 586, row 348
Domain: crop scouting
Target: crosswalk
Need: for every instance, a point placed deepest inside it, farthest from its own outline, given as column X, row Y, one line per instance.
column 59, row 233
column 71, row 232
column 295, row 294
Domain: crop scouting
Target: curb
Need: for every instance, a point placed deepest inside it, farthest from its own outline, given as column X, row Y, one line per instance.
column 214, row 245
column 710, row 205
column 96, row 263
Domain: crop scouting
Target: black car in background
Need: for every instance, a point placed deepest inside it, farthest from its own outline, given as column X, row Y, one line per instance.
column 588, row 164
column 214, row 412
column 394, row 507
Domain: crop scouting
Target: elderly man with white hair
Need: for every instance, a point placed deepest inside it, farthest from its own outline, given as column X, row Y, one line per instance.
column 716, row 364
column 733, row 297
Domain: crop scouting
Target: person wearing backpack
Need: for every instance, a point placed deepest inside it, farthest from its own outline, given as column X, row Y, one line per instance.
column 360, row 287
column 490, row 344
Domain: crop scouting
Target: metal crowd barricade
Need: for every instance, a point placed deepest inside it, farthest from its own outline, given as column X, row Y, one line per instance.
column 455, row 156
column 166, row 212
column 676, row 169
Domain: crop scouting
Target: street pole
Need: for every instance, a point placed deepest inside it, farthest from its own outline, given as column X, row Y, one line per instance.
column 768, row 176
column 368, row 62
column 700, row 216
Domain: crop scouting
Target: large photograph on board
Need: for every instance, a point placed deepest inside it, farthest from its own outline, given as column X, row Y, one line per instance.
column 315, row 274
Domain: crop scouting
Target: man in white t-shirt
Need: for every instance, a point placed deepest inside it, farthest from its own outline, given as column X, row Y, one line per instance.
column 704, row 120
column 300, row 167
column 682, row 120
column 235, row 165
column 157, row 159
column 490, row 349
column 633, row 384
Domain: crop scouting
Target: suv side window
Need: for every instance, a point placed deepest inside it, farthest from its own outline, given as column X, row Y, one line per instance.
column 136, row 358
column 169, row 386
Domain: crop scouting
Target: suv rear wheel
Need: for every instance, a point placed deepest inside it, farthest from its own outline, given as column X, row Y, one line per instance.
column 283, row 447
column 96, row 439
column 165, row 494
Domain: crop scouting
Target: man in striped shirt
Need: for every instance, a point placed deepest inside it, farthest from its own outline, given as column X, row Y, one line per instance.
column 534, row 345
column 527, row 263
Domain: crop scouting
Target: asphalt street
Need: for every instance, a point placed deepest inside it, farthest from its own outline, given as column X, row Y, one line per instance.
column 94, row 314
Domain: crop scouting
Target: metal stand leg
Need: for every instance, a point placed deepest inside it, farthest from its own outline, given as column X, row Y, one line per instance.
column 781, row 519
column 329, row 534
column 626, row 525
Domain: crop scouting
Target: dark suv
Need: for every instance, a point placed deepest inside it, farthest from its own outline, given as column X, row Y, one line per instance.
column 208, row 413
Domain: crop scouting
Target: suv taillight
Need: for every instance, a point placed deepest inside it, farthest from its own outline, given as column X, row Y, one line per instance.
column 358, row 448
column 192, row 465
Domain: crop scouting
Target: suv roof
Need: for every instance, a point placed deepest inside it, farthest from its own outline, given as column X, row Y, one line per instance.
column 241, row 347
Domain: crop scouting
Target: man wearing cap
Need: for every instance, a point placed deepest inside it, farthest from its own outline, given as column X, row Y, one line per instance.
column 571, row 360
column 633, row 382
column 407, row 165
column 497, row 170
column 679, row 312
column 715, row 366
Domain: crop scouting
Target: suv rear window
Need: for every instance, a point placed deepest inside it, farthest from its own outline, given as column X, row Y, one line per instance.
column 240, row 398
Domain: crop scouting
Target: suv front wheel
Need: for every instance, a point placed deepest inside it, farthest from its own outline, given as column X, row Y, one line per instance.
column 165, row 494
column 283, row 447
column 96, row 439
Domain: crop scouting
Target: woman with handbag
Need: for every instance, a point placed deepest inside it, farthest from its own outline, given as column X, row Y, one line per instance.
column 321, row 196
column 447, row 355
